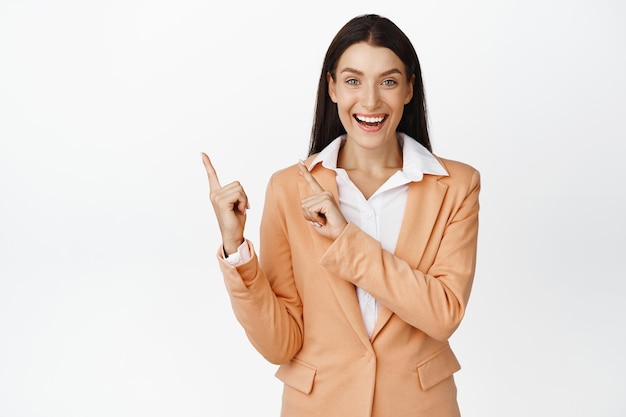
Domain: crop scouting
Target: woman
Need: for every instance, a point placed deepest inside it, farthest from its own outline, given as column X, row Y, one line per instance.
column 368, row 246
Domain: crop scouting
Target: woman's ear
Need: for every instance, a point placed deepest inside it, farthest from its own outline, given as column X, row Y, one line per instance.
column 409, row 95
column 331, row 87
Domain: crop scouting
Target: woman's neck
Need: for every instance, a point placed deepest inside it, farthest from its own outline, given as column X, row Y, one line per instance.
column 354, row 157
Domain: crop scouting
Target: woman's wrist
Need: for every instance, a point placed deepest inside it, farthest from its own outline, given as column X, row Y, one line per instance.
column 231, row 246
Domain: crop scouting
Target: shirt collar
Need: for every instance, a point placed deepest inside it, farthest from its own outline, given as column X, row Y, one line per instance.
column 416, row 159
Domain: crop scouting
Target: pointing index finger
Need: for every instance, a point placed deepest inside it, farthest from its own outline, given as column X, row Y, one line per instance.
column 315, row 186
column 214, row 183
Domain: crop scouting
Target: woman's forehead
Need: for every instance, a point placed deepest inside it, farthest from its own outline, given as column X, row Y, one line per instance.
column 364, row 58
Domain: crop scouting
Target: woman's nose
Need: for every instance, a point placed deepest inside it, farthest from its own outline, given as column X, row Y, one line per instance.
column 370, row 97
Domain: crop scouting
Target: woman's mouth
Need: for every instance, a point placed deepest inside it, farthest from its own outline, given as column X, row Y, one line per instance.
column 370, row 121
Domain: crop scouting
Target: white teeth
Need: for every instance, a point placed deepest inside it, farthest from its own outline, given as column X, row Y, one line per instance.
column 369, row 119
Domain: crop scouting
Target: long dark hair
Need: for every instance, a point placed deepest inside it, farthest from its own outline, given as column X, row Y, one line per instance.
column 377, row 31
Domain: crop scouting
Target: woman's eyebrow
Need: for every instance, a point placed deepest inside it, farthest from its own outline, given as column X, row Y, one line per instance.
column 352, row 70
column 391, row 71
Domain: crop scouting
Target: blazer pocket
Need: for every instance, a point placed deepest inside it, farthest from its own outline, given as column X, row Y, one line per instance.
column 297, row 374
column 437, row 368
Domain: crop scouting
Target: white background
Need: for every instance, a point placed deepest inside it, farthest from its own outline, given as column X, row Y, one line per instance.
column 111, row 301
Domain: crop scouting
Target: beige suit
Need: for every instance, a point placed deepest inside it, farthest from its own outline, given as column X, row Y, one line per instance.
column 298, row 305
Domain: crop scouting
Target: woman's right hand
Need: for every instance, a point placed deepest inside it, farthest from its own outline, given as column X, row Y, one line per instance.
column 230, row 204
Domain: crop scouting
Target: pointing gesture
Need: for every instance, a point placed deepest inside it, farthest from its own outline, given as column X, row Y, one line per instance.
column 229, row 203
column 321, row 209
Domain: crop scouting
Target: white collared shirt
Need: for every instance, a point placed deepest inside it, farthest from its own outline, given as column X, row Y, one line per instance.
column 381, row 215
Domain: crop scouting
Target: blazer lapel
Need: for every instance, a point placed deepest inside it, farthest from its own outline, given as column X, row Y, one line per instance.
column 422, row 208
column 344, row 290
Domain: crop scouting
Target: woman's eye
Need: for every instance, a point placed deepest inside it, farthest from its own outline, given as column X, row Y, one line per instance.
column 389, row 82
column 352, row 81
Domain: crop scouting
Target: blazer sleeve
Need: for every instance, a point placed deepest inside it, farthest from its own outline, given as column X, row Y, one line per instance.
column 267, row 305
column 432, row 300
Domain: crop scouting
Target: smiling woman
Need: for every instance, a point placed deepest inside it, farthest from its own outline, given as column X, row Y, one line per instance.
column 371, row 100
column 369, row 246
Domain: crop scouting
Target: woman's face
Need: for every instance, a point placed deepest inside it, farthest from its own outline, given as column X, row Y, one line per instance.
column 370, row 89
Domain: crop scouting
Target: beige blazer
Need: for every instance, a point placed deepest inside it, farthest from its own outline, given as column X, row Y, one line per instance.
column 298, row 305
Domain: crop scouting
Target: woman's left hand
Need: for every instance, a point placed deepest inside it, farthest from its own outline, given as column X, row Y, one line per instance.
column 321, row 209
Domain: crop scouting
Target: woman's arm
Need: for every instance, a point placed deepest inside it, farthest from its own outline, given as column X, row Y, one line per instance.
column 268, row 305
column 433, row 300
